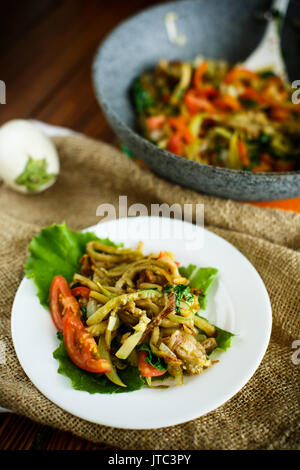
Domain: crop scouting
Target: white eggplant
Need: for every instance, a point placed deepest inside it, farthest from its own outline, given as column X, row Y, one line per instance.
column 29, row 161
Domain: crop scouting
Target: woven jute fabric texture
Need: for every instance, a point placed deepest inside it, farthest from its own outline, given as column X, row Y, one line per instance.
column 265, row 413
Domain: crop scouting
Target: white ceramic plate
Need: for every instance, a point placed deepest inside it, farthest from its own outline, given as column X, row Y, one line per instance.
column 238, row 302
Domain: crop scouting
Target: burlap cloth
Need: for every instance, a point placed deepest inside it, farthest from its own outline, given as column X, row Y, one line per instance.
column 265, row 413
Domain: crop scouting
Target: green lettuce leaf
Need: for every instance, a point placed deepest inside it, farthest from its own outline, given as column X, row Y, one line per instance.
column 56, row 250
column 200, row 278
column 223, row 339
column 95, row 383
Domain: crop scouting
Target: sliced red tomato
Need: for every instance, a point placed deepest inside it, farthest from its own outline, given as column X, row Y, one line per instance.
column 81, row 346
column 61, row 299
column 146, row 369
column 81, row 291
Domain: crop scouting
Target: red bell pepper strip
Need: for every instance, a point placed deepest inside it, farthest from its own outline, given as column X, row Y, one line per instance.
column 195, row 103
column 179, row 124
column 243, row 153
column 198, row 75
column 239, row 74
column 227, row 102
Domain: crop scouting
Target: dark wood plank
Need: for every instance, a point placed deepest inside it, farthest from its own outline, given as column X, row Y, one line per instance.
column 19, row 433
column 75, row 106
column 39, row 67
column 19, row 20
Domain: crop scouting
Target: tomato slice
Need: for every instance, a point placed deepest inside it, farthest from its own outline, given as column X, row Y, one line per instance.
column 81, row 291
column 146, row 369
column 61, row 299
column 81, row 346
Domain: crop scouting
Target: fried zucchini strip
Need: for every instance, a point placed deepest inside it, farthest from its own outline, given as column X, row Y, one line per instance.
column 205, row 326
column 121, row 300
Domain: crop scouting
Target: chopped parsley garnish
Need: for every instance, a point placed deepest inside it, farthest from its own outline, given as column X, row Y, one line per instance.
column 182, row 293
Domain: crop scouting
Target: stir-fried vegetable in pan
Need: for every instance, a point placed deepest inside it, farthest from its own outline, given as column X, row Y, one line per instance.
column 218, row 114
column 125, row 309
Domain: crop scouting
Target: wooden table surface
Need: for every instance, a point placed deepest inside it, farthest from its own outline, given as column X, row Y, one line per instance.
column 47, row 48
